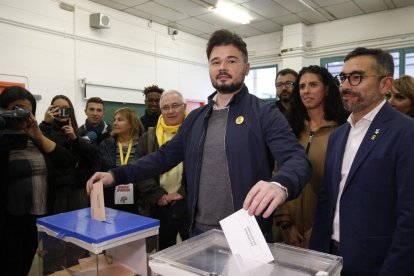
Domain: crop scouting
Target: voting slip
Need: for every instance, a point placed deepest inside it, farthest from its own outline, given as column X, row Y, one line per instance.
column 245, row 237
column 97, row 202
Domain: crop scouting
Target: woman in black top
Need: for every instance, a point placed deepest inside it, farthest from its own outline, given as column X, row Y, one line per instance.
column 26, row 181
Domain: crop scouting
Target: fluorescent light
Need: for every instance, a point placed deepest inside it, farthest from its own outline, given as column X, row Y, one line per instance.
column 232, row 13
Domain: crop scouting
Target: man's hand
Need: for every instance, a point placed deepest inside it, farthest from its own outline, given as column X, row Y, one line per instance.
column 264, row 194
column 171, row 198
column 106, row 178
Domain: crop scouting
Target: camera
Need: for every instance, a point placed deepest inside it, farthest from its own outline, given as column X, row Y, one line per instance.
column 64, row 112
column 11, row 138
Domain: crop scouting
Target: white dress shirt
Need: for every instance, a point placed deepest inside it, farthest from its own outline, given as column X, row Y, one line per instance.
column 355, row 137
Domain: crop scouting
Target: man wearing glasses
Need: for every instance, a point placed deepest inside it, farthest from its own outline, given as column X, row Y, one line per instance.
column 167, row 196
column 366, row 212
column 152, row 101
column 285, row 80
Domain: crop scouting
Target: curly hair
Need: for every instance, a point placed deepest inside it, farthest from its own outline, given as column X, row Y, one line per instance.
column 225, row 37
column 152, row 88
column 333, row 107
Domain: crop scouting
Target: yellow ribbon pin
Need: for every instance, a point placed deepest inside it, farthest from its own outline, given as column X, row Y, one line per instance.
column 239, row 120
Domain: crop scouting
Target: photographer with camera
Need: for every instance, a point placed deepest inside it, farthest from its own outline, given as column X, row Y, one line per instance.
column 60, row 125
column 26, row 181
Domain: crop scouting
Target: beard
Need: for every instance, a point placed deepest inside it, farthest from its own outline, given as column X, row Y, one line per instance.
column 284, row 96
column 361, row 102
column 227, row 88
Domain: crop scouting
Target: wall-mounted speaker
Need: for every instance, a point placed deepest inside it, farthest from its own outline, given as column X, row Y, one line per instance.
column 99, row 21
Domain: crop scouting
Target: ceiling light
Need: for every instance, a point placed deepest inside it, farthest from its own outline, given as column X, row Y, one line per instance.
column 232, row 13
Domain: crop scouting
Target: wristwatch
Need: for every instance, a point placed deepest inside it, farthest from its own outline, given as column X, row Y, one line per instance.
column 286, row 225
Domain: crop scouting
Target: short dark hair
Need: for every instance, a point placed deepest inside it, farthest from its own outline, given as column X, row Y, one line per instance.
column 95, row 100
column 384, row 61
column 152, row 88
column 287, row 71
column 14, row 93
column 225, row 37
column 333, row 107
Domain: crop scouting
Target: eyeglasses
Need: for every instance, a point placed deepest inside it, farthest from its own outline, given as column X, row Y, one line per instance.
column 354, row 78
column 174, row 107
column 288, row 84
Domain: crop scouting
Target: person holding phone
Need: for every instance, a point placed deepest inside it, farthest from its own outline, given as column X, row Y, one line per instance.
column 60, row 126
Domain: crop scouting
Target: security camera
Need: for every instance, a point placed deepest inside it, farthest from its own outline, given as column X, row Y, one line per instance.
column 172, row 31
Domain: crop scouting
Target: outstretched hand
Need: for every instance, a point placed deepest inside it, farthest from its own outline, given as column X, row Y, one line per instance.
column 106, row 178
column 264, row 194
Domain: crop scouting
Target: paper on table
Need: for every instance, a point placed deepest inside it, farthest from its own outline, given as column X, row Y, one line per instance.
column 97, row 202
column 245, row 237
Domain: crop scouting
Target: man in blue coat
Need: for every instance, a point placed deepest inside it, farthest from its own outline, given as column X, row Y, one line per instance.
column 229, row 148
column 366, row 206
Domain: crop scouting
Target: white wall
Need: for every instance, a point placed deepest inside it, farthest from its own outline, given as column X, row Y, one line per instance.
column 52, row 49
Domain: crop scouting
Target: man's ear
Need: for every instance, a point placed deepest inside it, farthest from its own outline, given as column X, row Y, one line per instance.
column 247, row 69
column 385, row 84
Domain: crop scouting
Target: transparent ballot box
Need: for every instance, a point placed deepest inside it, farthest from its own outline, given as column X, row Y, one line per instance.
column 73, row 243
column 209, row 254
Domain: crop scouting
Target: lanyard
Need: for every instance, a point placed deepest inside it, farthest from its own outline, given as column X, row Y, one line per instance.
column 121, row 154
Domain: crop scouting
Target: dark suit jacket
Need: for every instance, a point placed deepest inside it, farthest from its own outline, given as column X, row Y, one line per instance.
column 377, row 203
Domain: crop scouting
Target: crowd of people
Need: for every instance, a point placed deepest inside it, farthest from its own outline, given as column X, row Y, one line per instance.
column 326, row 167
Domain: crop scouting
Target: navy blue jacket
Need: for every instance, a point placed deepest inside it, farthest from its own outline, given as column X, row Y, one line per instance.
column 256, row 135
column 377, row 204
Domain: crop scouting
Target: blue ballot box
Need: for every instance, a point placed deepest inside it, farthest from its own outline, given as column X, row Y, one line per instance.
column 75, row 244
column 209, row 254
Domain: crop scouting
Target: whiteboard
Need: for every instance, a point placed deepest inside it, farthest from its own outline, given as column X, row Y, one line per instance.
column 114, row 94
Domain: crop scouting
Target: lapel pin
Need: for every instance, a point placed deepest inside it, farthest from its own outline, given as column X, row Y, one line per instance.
column 373, row 137
column 239, row 120
column 377, row 131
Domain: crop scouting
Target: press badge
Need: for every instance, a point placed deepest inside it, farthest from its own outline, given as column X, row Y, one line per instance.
column 124, row 194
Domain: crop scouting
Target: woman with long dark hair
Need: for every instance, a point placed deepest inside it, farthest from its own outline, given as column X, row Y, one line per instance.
column 60, row 125
column 315, row 111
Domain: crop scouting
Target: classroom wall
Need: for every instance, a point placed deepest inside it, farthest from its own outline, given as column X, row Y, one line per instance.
column 54, row 51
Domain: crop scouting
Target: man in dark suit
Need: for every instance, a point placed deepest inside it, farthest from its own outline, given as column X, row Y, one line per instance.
column 366, row 206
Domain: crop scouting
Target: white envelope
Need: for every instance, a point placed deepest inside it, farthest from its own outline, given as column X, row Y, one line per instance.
column 245, row 237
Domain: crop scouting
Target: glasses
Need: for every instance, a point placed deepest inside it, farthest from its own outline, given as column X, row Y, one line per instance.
column 354, row 78
column 174, row 107
column 288, row 84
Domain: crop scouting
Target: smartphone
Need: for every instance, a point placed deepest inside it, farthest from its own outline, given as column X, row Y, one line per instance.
column 65, row 112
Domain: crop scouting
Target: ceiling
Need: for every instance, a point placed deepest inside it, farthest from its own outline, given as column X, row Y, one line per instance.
column 195, row 17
